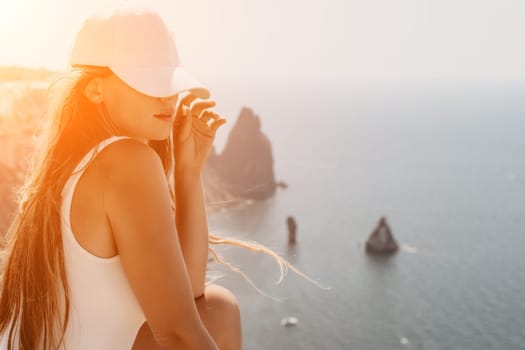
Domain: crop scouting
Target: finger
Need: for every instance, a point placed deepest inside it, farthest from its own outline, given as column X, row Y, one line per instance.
column 214, row 116
column 206, row 114
column 182, row 111
column 217, row 124
column 184, row 104
column 188, row 99
column 185, row 128
column 199, row 106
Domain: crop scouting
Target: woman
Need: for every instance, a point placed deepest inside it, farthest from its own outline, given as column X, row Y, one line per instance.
column 100, row 255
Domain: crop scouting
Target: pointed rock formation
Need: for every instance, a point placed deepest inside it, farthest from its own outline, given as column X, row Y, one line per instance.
column 381, row 240
column 246, row 164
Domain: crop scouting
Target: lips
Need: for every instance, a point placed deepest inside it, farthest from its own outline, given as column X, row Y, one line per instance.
column 164, row 116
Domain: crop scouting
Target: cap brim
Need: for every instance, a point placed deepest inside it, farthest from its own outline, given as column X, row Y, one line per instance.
column 161, row 81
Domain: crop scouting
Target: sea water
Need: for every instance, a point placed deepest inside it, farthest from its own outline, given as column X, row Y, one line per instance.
column 442, row 161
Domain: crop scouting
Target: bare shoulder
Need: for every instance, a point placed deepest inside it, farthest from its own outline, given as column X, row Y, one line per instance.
column 133, row 182
column 136, row 196
column 130, row 162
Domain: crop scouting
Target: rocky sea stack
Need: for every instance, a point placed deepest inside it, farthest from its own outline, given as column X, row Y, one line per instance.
column 381, row 239
column 246, row 164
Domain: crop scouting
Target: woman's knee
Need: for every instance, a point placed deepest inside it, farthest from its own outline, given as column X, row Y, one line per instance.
column 220, row 301
column 220, row 312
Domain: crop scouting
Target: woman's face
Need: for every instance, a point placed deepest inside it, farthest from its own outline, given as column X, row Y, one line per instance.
column 135, row 114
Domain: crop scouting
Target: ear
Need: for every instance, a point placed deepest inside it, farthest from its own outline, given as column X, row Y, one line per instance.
column 94, row 91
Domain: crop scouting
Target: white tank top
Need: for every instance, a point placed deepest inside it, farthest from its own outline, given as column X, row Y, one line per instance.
column 104, row 313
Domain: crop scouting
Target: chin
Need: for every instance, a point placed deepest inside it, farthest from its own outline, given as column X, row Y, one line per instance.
column 159, row 136
column 150, row 141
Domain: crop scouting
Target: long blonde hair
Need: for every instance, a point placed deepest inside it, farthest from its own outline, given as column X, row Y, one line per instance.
column 34, row 296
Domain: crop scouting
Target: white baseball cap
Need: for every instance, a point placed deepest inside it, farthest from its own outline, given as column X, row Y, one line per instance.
column 138, row 47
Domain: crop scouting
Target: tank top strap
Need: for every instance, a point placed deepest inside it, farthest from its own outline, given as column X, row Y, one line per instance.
column 82, row 165
column 69, row 187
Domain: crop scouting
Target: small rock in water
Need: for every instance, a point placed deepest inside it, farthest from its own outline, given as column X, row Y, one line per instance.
column 404, row 341
column 381, row 239
column 292, row 229
column 289, row 321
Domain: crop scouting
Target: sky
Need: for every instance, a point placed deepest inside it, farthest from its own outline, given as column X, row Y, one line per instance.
column 295, row 39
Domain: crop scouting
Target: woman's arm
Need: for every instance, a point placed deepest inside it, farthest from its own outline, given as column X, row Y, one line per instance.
column 193, row 138
column 192, row 226
column 138, row 207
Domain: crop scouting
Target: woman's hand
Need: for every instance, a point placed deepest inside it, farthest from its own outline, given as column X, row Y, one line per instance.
column 193, row 133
